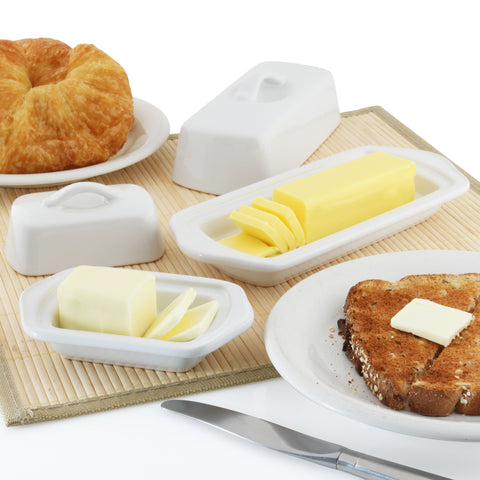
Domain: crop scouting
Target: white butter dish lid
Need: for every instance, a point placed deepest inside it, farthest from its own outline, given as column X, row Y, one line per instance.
column 269, row 121
column 83, row 223
column 39, row 311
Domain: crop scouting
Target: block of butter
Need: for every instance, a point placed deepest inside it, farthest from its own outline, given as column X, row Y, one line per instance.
column 430, row 320
column 107, row 300
column 349, row 193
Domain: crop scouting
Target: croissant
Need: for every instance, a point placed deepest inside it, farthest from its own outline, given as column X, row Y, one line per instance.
column 60, row 108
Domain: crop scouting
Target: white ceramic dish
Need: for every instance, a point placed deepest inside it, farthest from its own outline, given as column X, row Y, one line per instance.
column 38, row 311
column 149, row 131
column 197, row 229
column 308, row 352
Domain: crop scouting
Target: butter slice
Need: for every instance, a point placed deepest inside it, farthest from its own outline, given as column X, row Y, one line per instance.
column 260, row 229
column 171, row 315
column 432, row 321
column 272, row 220
column 107, row 300
column 248, row 244
column 196, row 321
column 342, row 196
column 285, row 214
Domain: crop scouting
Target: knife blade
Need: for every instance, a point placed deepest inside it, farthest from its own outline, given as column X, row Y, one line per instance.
column 291, row 442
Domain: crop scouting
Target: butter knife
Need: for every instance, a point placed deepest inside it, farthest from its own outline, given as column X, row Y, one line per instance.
column 294, row 443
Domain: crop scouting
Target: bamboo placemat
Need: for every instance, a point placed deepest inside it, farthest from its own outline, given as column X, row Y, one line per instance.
column 38, row 384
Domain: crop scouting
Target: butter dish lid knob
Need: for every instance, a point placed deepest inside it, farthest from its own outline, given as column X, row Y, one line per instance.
column 268, row 87
column 62, row 196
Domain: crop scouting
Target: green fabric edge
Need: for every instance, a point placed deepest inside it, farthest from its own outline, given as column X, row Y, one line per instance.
column 14, row 415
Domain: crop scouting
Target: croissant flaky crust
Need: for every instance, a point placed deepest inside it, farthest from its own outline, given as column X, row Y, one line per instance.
column 60, row 108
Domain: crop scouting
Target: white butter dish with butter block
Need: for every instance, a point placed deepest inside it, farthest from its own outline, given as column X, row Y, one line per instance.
column 199, row 228
column 269, row 121
column 39, row 317
column 83, row 223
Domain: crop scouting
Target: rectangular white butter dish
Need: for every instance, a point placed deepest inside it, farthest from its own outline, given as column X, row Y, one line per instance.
column 39, row 317
column 197, row 229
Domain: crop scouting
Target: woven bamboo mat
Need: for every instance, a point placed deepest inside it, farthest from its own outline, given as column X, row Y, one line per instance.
column 38, row 384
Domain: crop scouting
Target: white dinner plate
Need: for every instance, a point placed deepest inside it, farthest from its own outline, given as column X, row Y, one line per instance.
column 148, row 133
column 199, row 228
column 304, row 346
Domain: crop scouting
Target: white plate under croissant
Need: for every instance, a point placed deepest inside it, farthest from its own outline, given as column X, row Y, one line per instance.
column 148, row 133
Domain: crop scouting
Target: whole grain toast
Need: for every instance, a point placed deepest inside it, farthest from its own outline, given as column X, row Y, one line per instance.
column 392, row 361
column 452, row 383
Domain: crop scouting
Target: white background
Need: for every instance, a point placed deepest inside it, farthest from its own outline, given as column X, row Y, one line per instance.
column 417, row 59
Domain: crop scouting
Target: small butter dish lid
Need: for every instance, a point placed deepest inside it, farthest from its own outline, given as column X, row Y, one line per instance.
column 269, row 121
column 83, row 223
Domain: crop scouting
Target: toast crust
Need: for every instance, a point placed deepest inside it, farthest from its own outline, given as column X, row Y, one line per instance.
column 394, row 364
column 453, row 381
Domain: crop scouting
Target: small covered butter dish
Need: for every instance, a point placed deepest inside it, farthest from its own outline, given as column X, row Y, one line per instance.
column 83, row 223
column 269, row 121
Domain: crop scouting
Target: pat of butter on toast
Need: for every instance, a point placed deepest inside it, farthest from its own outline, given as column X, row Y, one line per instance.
column 430, row 320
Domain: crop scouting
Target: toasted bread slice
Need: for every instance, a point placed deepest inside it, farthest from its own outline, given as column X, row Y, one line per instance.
column 391, row 360
column 452, row 383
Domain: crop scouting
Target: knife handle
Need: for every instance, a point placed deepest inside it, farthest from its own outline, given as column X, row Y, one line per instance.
column 372, row 468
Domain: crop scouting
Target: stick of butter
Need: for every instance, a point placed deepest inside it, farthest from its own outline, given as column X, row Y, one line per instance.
column 107, row 300
column 430, row 320
column 342, row 196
